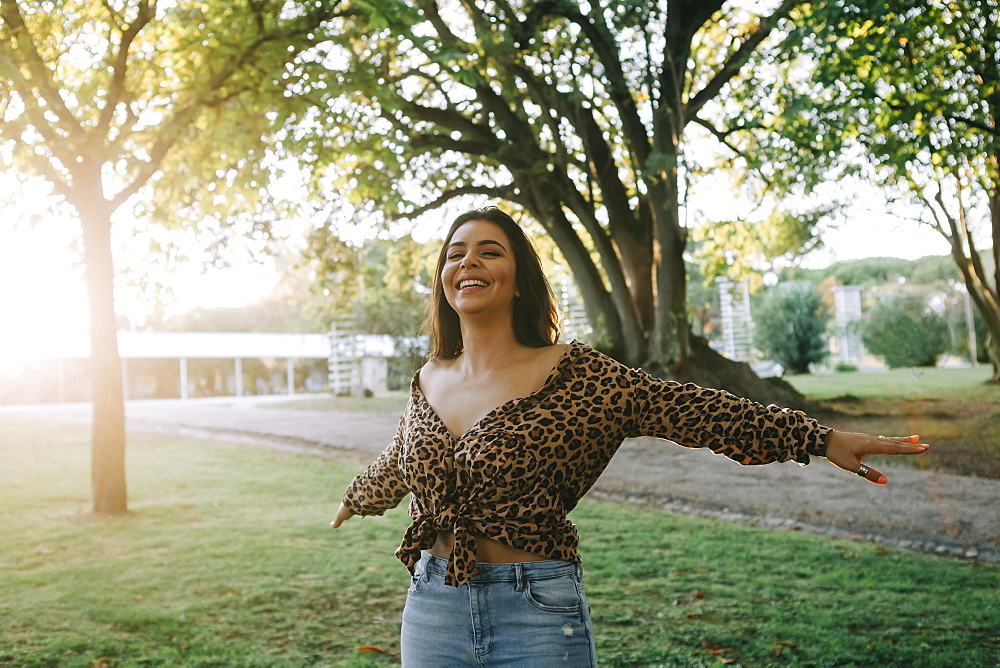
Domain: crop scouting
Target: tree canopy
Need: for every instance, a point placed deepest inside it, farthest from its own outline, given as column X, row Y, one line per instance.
column 154, row 107
column 910, row 91
column 577, row 114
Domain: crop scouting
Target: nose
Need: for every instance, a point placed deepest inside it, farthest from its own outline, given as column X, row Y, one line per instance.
column 467, row 262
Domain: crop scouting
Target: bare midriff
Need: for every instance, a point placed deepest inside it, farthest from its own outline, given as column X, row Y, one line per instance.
column 488, row 550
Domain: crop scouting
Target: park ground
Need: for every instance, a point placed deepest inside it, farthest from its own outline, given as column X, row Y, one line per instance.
column 225, row 558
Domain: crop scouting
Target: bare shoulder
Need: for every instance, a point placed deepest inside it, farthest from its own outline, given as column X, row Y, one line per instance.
column 550, row 355
column 432, row 372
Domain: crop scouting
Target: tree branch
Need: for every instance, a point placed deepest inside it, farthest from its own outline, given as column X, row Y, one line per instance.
column 974, row 124
column 500, row 192
column 602, row 40
column 738, row 59
column 23, row 44
column 116, row 89
column 723, row 135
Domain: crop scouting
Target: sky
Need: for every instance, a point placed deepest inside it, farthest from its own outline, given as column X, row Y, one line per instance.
column 43, row 297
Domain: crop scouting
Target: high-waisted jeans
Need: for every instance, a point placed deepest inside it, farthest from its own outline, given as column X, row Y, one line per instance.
column 532, row 614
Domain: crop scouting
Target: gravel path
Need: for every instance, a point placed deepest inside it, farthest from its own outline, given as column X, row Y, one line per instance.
column 919, row 510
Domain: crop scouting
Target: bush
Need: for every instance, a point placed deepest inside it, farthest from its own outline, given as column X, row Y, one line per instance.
column 789, row 327
column 904, row 332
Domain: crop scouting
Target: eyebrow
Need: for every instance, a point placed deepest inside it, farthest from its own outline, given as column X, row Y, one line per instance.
column 484, row 242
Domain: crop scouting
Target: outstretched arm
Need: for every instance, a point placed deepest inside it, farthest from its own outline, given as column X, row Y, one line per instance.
column 343, row 513
column 848, row 450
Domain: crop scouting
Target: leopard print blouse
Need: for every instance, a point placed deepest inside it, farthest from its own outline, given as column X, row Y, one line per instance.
column 515, row 474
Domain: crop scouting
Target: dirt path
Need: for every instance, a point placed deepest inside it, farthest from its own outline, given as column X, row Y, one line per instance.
column 919, row 509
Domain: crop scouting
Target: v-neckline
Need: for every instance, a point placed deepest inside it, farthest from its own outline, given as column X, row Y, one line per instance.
column 418, row 392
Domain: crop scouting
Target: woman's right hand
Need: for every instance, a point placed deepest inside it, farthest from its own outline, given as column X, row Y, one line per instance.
column 343, row 513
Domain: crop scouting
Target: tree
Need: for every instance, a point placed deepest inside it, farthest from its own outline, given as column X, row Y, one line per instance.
column 914, row 85
column 381, row 286
column 904, row 332
column 743, row 250
column 577, row 113
column 789, row 327
column 170, row 108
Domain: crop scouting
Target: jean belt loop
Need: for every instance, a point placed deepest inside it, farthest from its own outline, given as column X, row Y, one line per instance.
column 519, row 576
column 426, row 575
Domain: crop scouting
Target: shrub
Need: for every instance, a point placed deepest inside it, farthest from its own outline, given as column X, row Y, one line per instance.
column 790, row 325
column 904, row 332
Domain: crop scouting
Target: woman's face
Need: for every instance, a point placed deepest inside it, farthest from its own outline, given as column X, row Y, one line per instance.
column 479, row 273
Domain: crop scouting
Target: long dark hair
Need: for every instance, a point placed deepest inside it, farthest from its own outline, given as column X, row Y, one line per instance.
column 536, row 320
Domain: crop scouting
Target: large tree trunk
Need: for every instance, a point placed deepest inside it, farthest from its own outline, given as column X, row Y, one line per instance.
column 704, row 366
column 107, row 399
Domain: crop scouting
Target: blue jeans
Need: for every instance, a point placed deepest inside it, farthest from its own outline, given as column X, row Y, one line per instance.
column 532, row 614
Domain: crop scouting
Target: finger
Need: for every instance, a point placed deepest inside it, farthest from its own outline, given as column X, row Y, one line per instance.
column 871, row 475
column 899, row 445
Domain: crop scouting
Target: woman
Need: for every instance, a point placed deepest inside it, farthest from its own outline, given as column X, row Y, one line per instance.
column 506, row 430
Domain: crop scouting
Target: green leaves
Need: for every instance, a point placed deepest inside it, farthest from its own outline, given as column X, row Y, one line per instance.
column 790, row 327
column 743, row 250
column 902, row 330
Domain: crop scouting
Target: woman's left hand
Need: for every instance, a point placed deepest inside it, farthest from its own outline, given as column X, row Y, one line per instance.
column 848, row 450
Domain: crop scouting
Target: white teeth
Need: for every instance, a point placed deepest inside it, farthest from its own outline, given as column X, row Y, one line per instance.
column 471, row 284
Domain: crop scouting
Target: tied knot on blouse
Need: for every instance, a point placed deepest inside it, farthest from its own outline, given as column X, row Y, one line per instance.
column 478, row 479
column 422, row 534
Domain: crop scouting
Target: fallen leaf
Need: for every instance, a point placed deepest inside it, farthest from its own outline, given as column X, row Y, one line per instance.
column 782, row 643
column 373, row 648
column 726, row 661
column 697, row 593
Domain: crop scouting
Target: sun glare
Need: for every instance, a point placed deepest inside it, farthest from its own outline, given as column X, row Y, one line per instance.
column 43, row 301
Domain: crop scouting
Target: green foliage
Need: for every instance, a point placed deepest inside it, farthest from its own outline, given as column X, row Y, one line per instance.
column 380, row 287
column 910, row 90
column 874, row 271
column 569, row 112
column 790, row 327
column 904, row 332
column 742, row 250
column 185, row 97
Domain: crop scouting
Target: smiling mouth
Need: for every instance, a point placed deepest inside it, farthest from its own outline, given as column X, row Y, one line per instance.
column 471, row 284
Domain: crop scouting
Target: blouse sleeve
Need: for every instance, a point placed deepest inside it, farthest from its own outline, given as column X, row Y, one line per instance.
column 745, row 431
column 381, row 486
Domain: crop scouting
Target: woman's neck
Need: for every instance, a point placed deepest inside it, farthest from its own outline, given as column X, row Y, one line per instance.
column 487, row 346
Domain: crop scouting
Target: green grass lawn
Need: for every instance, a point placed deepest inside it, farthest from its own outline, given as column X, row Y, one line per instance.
column 952, row 409
column 226, row 560
column 898, row 384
